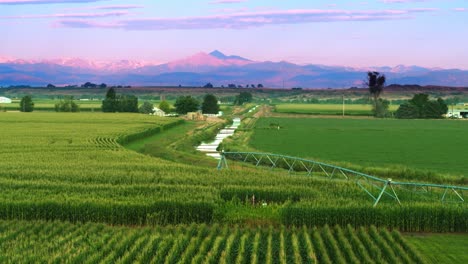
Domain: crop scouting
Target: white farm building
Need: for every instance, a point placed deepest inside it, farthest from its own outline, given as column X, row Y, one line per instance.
column 158, row 112
column 4, row 100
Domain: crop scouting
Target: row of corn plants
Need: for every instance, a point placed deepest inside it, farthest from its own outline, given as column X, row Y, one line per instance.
column 39, row 241
column 414, row 218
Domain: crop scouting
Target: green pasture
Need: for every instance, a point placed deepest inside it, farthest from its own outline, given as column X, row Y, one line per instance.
column 429, row 145
column 327, row 109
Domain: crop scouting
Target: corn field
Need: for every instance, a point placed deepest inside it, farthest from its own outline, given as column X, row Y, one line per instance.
column 63, row 242
column 72, row 167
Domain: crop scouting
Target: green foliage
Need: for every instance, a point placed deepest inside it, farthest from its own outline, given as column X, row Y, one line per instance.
column 119, row 103
column 242, row 98
column 26, row 104
column 67, row 105
column 380, row 108
column 210, row 104
column 146, row 108
column 165, row 106
column 185, row 104
column 421, row 107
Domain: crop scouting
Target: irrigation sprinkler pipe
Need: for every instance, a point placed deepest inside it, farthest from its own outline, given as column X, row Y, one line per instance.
column 389, row 182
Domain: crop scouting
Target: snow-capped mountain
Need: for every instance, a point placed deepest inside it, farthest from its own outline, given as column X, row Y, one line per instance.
column 214, row 67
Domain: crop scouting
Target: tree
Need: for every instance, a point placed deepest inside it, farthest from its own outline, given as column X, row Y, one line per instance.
column 376, row 83
column 185, row 104
column 243, row 97
column 26, row 104
column 89, row 85
column 260, row 85
column 119, row 103
column 50, row 86
column 164, row 106
column 380, row 108
column 208, row 85
column 146, row 108
column 103, row 85
column 421, row 107
column 67, row 105
column 210, row 104
column 127, row 104
column 110, row 103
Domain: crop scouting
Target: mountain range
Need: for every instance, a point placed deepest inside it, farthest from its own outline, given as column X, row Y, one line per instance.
column 216, row 68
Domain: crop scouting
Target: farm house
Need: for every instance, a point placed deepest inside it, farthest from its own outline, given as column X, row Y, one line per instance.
column 5, row 100
column 158, row 112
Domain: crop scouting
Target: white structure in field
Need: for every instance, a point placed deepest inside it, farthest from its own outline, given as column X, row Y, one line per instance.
column 4, row 100
column 158, row 112
column 457, row 113
column 220, row 113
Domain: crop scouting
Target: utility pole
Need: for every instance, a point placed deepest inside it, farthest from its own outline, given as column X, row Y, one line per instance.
column 343, row 105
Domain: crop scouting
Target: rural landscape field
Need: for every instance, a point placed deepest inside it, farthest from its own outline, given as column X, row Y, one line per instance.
column 130, row 187
column 233, row 131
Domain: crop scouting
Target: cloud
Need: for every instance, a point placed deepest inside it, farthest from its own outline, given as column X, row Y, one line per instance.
column 402, row 1
column 117, row 7
column 460, row 9
column 28, row 2
column 72, row 15
column 251, row 19
column 216, row 2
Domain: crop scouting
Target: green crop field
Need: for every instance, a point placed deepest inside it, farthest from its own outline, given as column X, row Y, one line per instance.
column 60, row 242
column 428, row 145
column 61, row 171
column 327, row 109
column 93, row 105
column 441, row 248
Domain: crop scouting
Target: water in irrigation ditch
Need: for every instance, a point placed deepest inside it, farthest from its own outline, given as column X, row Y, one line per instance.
column 210, row 147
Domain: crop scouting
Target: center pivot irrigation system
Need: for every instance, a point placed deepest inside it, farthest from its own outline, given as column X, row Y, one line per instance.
column 366, row 182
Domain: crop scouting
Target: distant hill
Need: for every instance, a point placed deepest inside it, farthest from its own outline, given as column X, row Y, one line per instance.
column 216, row 68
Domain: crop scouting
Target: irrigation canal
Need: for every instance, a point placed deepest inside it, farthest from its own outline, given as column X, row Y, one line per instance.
column 210, row 147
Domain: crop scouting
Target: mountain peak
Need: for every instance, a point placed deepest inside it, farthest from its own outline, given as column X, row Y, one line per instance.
column 218, row 54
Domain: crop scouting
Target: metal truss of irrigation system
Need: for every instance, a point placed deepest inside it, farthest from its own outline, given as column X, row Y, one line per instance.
column 387, row 187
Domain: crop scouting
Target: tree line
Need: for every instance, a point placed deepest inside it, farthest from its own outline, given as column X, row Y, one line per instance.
column 420, row 106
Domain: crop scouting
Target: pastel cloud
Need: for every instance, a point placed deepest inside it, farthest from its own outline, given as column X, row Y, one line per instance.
column 402, row 1
column 72, row 15
column 118, row 7
column 227, row 1
column 28, row 2
column 460, row 9
column 252, row 19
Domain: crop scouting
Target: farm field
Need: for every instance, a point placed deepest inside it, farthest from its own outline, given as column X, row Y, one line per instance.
column 60, row 170
column 49, row 105
column 440, row 248
column 328, row 109
column 427, row 145
column 61, row 242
